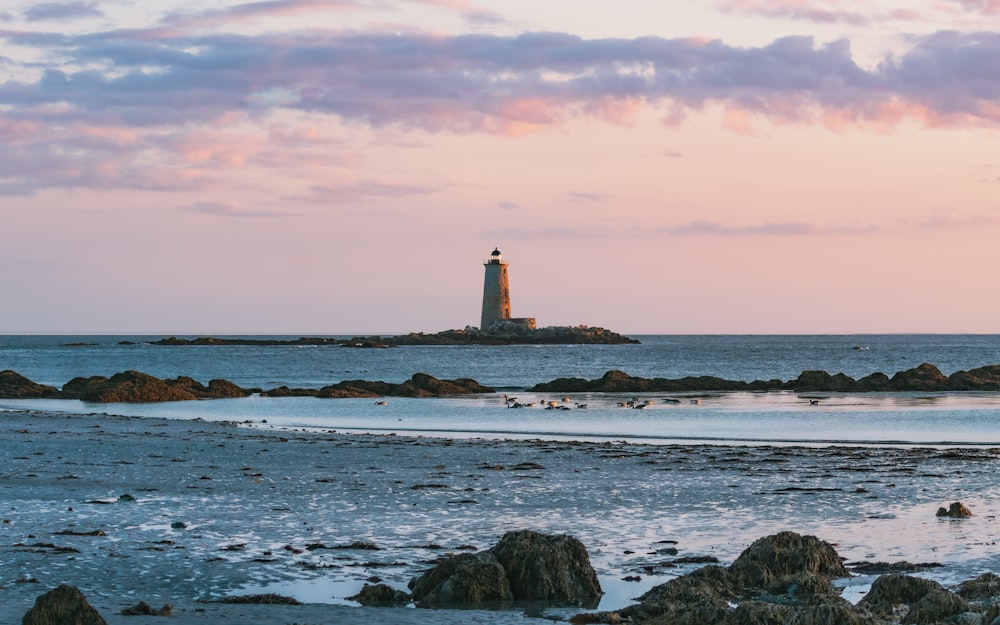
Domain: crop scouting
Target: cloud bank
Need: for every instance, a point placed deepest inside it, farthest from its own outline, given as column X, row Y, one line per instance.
column 168, row 106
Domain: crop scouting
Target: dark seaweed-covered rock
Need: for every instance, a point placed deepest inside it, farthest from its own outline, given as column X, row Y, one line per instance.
column 928, row 601
column 380, row 595
column 420, row 385
column 127, row 386
column 821, row 381
column 135, row 386
column 144, row 609
column 874, row 383
column 979, row 379
column 13, row 385
column 957, row 510
column 785, row 553
column 986, row 586
column 465, row 579
column 805, row 588
column 767, row 613
column 543, row 567
column 262, row 599
column 284, row 391
column 423, row 385
column 64, row 605
column 703, row 596
column 926, row 377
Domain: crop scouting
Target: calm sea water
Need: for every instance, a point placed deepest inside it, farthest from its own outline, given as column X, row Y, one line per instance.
column 913, row 418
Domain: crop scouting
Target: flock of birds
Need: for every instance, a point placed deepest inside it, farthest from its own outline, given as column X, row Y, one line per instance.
column 635, row 402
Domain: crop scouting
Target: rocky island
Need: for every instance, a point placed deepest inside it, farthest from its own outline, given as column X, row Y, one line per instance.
column 498, row 334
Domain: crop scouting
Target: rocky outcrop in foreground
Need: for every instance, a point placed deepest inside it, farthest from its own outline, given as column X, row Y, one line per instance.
column 523, row 566
column 787, row 578
column 137, row 387
column 782, row 579
column 926, row 377
column 62, row 606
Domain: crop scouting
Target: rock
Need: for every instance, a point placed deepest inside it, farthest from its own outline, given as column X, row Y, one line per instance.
column 65, row 605
column 284, row 391
column 785, row 553
column 806, row 588
column 842, row 613
column 957, row 510
column 468, row 578
column 380, row 595
column 544, row 567
column 986, row 586
column 876, row 382
column 979, row 379
column 928, row 601
column 135, row 386
column 758, row 613
column 704, row 596
column 420, row 385
column 127, row 386
column 811, row 381
column 926, row 377
column 262, row 599
column 13, row 385
column 423, row 385
column 144, row 609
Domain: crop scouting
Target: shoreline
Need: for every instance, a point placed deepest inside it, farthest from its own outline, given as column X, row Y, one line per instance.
column 267, row 489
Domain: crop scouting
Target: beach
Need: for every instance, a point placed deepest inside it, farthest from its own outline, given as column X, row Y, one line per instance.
column 188, row 512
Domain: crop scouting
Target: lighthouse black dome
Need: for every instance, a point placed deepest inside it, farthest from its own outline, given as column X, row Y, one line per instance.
column 496, row 252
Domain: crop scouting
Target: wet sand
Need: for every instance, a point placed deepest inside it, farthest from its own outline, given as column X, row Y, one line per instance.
column 189, row 512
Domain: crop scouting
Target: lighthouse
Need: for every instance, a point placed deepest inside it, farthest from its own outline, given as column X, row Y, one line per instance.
column 496, row 294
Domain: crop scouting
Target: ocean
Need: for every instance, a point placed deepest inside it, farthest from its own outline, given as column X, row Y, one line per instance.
column 239, row 503
column 732, row 418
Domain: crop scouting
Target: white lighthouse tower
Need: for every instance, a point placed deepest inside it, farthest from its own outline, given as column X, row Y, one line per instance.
column 496, row 294
column 496, row 291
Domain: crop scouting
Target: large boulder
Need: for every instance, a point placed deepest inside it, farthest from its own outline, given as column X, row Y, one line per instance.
column 927, row 600
column 979, row 379
column 64, row 605
column 465, row 579
column 13, row 385
column 984, row 587
column 543, row 567
column 957, row 510
column 423, row 385
column 216, row 389
column 821, row 381
column 381, row 595
column 926, row 377
column 127, row 386
column 704, row 596
column 786, row 553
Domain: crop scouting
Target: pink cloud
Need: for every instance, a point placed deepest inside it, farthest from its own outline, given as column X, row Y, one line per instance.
column 202, row 109
column 988, row 7
column 782, row 229
column 232, row 209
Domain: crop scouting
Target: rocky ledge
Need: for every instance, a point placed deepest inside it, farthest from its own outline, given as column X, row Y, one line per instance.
column 785, row 578
column 926, row 377
column 498, row 334
column 136, row 387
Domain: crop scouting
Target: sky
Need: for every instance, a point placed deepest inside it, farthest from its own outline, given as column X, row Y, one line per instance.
column 346, row 166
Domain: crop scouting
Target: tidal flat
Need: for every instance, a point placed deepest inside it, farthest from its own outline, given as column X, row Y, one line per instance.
column 188, row 512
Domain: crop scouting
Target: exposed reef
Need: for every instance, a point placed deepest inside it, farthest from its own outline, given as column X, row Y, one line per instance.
column 926, row 377
column 138, row 387
column 498, row 334
column 135, row 386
